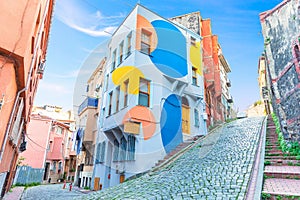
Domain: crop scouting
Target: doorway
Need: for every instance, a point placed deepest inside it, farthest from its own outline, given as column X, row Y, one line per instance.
column 185, row 115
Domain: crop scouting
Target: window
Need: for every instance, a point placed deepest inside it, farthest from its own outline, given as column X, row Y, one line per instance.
column 101, row 117
column 144, row 93
column 129, row 36
column 121, row 52
column 116, row 151
column 106, row 82
column 196, row 113
column 126, row 92
column 131, row 147
column 117, row 98
column 194, row 76
column 59, row 130
column 100, row 153
column 123, row 149
column 145, row 42
column 110, row 103
column 297, row 53
column 193, row 41
column 54, row 166
column 32, row 44
column 113, row 66
column 59, row 167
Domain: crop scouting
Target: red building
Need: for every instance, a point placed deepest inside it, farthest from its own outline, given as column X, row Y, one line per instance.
column 212, row 74
column 24, row 35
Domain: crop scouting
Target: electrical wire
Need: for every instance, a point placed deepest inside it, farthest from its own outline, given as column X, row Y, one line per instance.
column 35, row 142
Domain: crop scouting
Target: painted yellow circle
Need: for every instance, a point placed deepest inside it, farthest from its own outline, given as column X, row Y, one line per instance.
column 130, row 74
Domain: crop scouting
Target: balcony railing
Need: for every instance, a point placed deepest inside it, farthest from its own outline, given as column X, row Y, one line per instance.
column 89, row 102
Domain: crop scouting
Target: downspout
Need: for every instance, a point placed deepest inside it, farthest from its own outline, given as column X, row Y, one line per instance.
column 28, row 80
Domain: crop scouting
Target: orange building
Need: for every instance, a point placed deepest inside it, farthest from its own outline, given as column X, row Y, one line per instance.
column 212, row 76
column 24, row 35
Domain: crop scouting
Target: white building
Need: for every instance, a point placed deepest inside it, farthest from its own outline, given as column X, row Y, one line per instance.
column 152, row 96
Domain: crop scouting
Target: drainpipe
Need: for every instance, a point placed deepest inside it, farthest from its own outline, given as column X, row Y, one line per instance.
column 27, row 82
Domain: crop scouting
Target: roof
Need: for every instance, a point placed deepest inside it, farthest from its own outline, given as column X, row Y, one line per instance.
column 267, row 13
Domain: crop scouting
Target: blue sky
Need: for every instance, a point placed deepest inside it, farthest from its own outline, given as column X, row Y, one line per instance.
column 80, row 27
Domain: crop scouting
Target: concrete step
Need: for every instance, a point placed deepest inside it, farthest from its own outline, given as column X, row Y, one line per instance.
column 281, row 187
column 281, row 157
column 281, row 162
column 289, row 172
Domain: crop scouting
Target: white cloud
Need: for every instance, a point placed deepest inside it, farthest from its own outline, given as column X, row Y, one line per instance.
column 73, row 74
column 54, row 88
column 77, row 17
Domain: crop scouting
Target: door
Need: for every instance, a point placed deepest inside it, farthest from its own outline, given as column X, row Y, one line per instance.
column 122, row 178
column 46, row 171
column 185, row 119
column 97, row 183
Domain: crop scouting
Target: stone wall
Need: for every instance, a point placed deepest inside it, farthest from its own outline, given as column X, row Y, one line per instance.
column 280, row 28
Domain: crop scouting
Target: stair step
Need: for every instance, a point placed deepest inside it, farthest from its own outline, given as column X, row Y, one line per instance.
column 283, row 171
column 283, row 187
column 281, row 157
column 280, row 162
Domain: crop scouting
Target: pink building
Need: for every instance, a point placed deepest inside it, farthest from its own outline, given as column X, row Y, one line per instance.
column 38, row 139
column 50, row 148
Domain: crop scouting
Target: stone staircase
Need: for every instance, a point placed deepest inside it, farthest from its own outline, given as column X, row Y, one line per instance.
column 176, row 151
column 282, row 171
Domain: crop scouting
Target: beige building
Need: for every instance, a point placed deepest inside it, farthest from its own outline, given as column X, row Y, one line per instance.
column 263, row 88
column 88, row 113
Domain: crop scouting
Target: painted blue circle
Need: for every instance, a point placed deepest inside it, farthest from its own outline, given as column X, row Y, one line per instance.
column 170, row 55
column 170, row 123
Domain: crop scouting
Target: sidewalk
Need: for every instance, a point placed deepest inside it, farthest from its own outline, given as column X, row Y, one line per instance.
column 15, row 194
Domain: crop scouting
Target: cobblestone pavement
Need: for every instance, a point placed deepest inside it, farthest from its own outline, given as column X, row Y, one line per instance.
column 53, row 191
column 219, row 167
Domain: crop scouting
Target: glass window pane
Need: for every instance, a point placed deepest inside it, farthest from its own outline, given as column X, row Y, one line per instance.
column 143, row 99
column 145, row 37
column 145, row 48
column 144, row 86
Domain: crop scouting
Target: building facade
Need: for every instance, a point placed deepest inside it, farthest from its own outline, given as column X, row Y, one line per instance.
column 88, row 113
column 226, row 98
column 24, row 37
column 280, row 28
column 56, row 149
column 38, row 134
column 50, row 144
column 153, row 96
column 264, row 85
column 219, row 102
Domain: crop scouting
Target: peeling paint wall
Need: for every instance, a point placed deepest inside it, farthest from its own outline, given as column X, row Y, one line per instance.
column 280, row 28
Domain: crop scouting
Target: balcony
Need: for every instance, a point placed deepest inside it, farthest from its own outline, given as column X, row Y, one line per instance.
column 228, row 83
column 230, row 100
column 89, row 102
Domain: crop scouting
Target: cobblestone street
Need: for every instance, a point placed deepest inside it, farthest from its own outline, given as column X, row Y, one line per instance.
column 219, row 167
column 53, row 191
